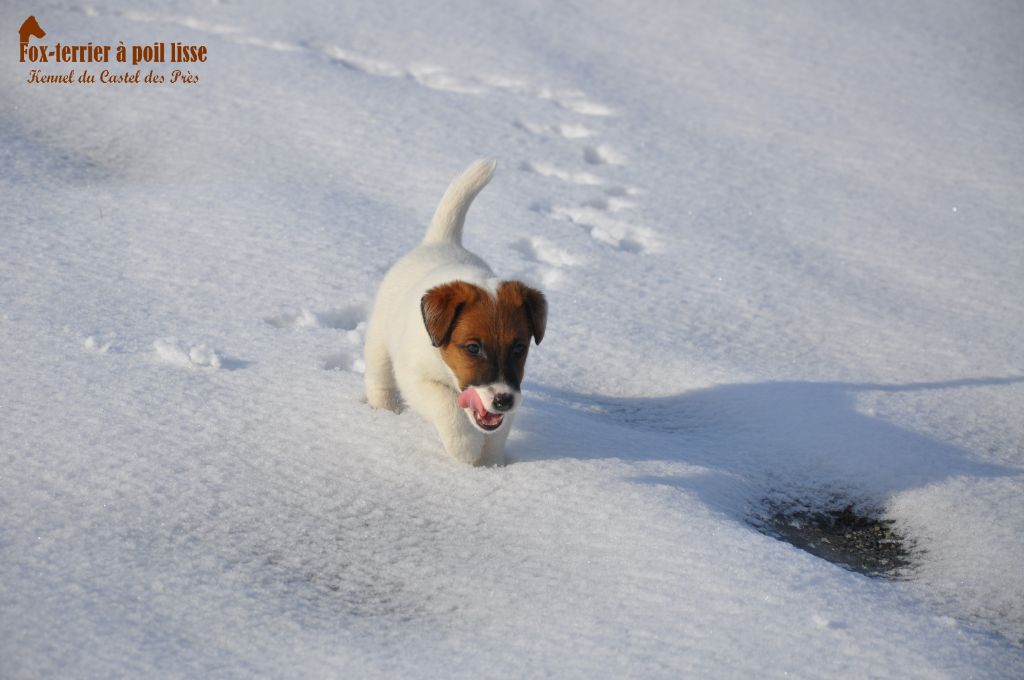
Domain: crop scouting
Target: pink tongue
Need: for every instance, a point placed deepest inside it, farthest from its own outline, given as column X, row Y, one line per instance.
column 470, row 399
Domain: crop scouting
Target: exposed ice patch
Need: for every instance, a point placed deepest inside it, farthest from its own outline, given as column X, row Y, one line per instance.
column 842, row 530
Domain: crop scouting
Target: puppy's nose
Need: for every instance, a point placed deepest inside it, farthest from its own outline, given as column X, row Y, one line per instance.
column 502, row 401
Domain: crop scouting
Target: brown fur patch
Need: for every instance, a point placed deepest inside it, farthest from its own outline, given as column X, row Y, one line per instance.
column 460, row 315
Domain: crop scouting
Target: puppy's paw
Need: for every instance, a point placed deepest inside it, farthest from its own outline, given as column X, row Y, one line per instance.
column 384, row 399
column 476, row 453
column 490, row 459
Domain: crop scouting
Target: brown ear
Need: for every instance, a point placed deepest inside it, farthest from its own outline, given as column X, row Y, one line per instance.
column 440, row 307
column 532, row 301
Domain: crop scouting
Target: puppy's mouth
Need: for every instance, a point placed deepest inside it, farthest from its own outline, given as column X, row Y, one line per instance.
column 485, row 420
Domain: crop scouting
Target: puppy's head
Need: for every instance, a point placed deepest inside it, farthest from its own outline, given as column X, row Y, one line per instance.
column 484, row 339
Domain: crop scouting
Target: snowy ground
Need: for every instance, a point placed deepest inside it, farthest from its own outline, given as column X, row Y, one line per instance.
column 784, row 251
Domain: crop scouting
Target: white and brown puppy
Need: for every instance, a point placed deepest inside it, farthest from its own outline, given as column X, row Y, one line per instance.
column 449, row 338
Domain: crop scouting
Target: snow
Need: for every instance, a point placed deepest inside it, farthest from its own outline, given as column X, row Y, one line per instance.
column 172, row 352
column 782, row 249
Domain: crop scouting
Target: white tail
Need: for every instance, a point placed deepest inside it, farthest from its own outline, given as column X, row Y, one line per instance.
column 451, row 211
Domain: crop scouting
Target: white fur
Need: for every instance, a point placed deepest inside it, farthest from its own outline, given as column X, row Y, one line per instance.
column 401, row 362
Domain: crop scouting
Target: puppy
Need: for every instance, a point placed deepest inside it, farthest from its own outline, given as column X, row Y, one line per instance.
column 450, row 338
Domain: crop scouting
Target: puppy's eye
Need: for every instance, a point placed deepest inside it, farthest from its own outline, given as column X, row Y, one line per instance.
column 518, row 349
column 473, row 349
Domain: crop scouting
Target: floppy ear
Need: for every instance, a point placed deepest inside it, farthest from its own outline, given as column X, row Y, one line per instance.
column 537, row 309
column 440, row 307
column 533, row 303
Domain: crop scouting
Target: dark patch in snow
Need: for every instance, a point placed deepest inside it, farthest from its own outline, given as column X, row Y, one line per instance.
column 858, row 538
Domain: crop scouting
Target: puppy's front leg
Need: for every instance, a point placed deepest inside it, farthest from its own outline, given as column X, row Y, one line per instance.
column 494, row 444
column 438, row 403
column 381, row 391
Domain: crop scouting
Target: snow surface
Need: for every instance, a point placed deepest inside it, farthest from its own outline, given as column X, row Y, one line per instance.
column 783, row 250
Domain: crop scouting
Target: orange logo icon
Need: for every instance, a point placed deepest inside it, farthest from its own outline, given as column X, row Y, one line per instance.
column 30, row 29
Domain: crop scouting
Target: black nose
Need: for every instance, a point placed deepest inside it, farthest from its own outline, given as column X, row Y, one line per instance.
column 502, row 401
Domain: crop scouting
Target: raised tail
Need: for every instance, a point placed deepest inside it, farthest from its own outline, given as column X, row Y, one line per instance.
column 446, row 227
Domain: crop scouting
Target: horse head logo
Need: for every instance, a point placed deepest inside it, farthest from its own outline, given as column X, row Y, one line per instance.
column 30, row 29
